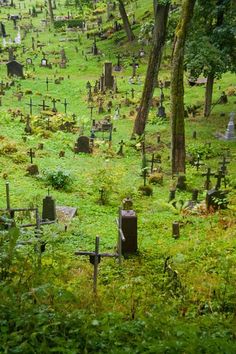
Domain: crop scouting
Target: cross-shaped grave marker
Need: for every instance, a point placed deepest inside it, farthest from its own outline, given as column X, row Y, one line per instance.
column 43, row 105
column 154, row 160
column 208, row 175
column 219, row 177
column 223, row 164
column 198, row 163
column 31, row 154
column 95, row 259
column 31, row 105
column 65, row 105
column 54, row 101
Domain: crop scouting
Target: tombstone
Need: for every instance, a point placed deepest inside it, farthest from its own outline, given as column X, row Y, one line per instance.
column 127, row 204
column 128, row 225
column 230, row 133
column 15, row 68
column 82, row 145
column 109, row 78
column 49, row 209
column 44, row 62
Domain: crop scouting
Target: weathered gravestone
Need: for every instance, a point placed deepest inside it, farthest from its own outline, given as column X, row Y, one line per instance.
column 82, row 145
column 49, row 208
column 129, row 226
column 15, row 68
column 109, row 78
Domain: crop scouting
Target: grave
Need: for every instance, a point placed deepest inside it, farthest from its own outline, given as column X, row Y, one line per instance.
column 49, row 209
column 14, row 68
column 109, row 78
column 129, row 226
column 83, row 145
column 65, row 214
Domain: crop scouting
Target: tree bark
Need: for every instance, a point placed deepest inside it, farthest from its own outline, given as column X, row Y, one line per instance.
column 126, row 23
column 177, row 90
column 208, row 94
column 159, row 36
column 50, row 11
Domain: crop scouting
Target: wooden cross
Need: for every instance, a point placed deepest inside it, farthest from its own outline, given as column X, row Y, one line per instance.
column 31, row 105
column 208, row 175
column 44, row 106
column 31, row 153
column 65, row 105
column 95, row 259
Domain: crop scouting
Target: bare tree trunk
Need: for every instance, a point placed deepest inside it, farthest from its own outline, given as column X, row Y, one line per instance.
column 177, row 89
column 159, row 36
column 126, row 22
column 50, row 11
column 208, row 94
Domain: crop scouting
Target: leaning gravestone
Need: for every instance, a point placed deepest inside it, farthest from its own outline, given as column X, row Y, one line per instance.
column 15, row 68
column 82, row 145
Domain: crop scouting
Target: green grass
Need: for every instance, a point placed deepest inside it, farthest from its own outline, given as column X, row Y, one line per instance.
column 139, row 307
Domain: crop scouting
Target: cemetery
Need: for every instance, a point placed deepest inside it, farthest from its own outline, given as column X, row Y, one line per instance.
column 117, row 176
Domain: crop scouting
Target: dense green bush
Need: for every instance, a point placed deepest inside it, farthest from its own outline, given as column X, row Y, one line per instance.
column 59, row 179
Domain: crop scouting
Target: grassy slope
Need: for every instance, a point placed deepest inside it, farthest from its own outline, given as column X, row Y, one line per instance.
column 139, row 308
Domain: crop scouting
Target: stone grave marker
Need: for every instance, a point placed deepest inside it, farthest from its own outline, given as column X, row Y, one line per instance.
column 15, row 68
column 82, row 145
column 49, row 208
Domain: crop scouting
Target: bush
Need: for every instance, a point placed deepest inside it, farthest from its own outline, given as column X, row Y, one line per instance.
column 59, row 179
column 68, row 23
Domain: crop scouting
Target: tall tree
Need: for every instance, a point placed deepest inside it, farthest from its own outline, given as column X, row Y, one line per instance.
column 161, row 11
column 214, row 26
column 177, row 89
column 126, row 23
column 50, row 9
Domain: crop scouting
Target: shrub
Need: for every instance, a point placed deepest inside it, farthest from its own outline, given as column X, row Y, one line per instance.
column 59, row 179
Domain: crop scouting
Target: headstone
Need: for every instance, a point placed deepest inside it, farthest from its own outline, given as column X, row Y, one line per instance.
column 128, row 223
column 109, row 79
column 49, row 208
column 15, row 68
column 65, row 214
column 230, row 133
column 82, row 145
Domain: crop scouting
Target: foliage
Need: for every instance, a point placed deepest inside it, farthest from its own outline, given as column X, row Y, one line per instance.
column 59, row 178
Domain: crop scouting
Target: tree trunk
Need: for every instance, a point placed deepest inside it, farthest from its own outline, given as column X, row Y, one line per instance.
column 177, row 89
column 208, row 94
column 159, row 36
column 50, row 11
column 126, row 22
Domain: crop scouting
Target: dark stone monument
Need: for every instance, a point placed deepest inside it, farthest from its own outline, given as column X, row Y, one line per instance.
column 15, row 68
column 49, row 209
column 109, row 78
column 82, row 145
column 128, row 221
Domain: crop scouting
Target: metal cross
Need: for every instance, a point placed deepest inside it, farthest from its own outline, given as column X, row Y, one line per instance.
column 208, row 175
column 54, row 105
column 44, row 106
column 31, row 105
column 65, row 105
column 224, row 164
column 31, row 153
column 95, row 259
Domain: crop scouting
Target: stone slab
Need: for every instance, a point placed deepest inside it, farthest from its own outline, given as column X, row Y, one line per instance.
column 65, row 214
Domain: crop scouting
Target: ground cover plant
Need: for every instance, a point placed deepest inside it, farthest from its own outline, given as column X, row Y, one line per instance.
column 175, row 295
